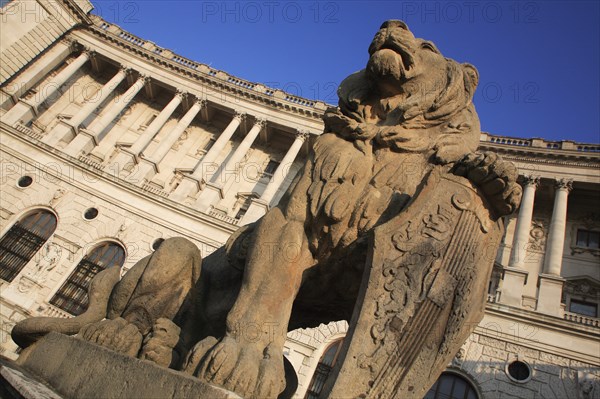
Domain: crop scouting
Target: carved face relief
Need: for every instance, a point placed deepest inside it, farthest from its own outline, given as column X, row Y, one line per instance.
column 537, row 236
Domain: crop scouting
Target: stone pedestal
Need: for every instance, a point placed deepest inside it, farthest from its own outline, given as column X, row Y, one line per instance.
column 210, row 195
column 256, row 210
column 63, row 131
column 74, row 368
column 512, row 286
column 146, row 169
column 21, row 112
column 550, row 294
column 188, row 186
column 6, row 100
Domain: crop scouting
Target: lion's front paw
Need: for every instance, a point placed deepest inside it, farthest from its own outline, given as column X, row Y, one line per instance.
column 159, row 345
column 244, row 369
column 118, row 335
column 495, row 177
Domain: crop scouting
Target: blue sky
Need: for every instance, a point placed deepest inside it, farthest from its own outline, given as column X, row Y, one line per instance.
column 539, row 61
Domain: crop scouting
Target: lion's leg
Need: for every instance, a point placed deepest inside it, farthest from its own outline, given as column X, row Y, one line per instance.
column 249, row 359
column 146, row 304
column 271, row 280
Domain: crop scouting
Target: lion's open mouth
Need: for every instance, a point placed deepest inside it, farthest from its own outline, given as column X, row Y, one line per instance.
column 387, row 63
column 390, row 60
column 406, row 57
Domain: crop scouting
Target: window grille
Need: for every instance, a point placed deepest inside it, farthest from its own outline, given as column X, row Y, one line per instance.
column 72, row 297
column 323, row 369
column 23, row 241
column 452, row 386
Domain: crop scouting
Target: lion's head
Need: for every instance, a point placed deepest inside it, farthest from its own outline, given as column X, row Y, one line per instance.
column 410, row 98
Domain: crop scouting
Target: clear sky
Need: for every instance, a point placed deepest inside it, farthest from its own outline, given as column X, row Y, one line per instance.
column 539, row 61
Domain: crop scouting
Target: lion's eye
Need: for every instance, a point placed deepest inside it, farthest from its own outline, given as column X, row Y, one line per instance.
column 429, row 46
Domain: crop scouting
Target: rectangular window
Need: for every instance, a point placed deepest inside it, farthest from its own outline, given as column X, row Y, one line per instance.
column 144, row 125
column 271, row 167
column 209, row 144
column 150, row 119
column 244, row 204
column 584, row 308
column 588, row 239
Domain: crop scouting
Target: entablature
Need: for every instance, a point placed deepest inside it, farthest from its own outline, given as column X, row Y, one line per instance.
column 111, row 39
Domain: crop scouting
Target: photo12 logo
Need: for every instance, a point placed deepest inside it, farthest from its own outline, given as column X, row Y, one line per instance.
column 270, row 11
column 470, row 11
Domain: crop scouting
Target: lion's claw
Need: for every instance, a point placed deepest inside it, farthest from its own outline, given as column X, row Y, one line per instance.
column 495, row 177
column 118, row 335
column 246, row 370
column 159, row 345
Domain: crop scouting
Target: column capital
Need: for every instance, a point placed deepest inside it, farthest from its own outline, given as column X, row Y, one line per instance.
column 145, row 78
column 125, row 69
column 182, row 94
column 531, row 180
column 302, row 134
column 260, row 121
column 72, row 43
column 564, row 184
column 90, row 53
column 239, row 115
column 200, row 101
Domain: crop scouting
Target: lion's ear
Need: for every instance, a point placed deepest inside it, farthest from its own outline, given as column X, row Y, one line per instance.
column 471, row 78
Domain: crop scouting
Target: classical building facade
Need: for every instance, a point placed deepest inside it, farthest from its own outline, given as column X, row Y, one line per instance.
column 110, row 144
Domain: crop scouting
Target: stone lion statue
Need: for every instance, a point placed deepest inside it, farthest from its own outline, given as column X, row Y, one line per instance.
column 404, row 124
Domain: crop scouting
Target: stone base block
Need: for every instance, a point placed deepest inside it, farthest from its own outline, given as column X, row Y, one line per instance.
column 550, row 294
column 21, row 112
column 256, row 210
column 512, row 287
column 210, row 195
column 74, row 368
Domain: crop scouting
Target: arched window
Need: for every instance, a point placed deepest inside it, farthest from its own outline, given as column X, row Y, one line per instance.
column 323, row 369
column 23, row 240
column 452, row 386
column 72, row 296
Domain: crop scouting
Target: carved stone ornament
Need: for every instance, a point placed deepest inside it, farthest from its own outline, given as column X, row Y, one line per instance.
column 564, row 184
column 537, row 236
column 531, row 181
column 393, row 223
column 459, row 358
column 180, row 140
column 583, row 288
column 58, row 194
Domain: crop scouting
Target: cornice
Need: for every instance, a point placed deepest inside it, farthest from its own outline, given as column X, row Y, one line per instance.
column 82, row 16
column 211, row 80
column 536, row 318
column 545, row 157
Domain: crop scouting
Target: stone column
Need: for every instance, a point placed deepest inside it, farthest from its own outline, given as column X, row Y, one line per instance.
column 284, row 167
column 149, row 166
column 515, row 276
column 191, row 184
column 226, row 174
column 26, row 110
column 260, row 206
column 25, row 80
column 88, row 138
column 550, row 283
column 128, row 155
column 66, row 130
